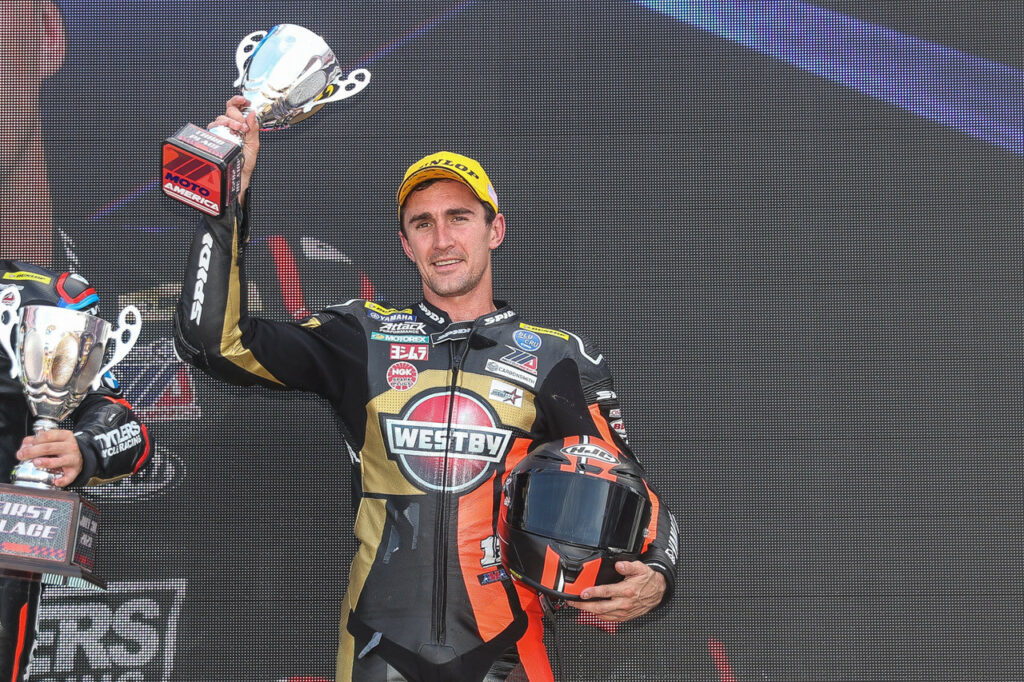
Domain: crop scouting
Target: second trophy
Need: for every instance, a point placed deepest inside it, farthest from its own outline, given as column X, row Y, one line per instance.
column 287, row 74
column 60, row 355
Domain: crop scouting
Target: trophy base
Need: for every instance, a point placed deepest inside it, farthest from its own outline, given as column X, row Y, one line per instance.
column 201, row 169
column 82, row 580
column 49, row 536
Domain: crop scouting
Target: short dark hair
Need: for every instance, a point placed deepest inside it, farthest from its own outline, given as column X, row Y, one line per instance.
column 489, row 213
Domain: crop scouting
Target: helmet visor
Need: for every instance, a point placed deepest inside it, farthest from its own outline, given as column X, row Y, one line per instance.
column 582, row 510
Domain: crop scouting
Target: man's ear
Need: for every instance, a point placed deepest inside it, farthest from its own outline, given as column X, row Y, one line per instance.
column 498, row 226
column 405, row 245
column 53, row 46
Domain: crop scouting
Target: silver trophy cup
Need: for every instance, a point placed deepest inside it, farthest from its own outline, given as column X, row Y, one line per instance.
column 49, row 534
column 59, row 356
column 287, row 73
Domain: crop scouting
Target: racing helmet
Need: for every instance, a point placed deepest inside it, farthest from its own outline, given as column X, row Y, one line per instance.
column 569, row 510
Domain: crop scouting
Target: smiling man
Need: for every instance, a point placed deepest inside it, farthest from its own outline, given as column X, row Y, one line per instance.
column 438, row 402
column 449, row 233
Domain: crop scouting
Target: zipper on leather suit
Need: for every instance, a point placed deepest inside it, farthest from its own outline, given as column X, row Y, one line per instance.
column 457, row 350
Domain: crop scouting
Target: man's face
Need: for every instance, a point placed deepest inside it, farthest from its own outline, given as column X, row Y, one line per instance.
column 31, row 48
column 446, row 235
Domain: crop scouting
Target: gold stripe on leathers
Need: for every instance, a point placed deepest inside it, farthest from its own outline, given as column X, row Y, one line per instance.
column 231, row 347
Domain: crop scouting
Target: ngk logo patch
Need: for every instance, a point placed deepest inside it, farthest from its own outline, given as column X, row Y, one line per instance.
column 125, row 633
column 402, row 376
column 435, row 457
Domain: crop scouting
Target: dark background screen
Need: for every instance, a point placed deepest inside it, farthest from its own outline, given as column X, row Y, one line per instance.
column 790, row 227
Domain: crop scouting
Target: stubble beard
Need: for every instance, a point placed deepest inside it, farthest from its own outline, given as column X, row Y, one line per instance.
column 453, row 286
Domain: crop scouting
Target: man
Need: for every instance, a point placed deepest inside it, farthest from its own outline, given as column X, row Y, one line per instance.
column 31, row 49
column 108, row 443
column 438, row 402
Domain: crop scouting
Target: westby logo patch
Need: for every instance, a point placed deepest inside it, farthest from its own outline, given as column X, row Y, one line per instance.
column 446, row 441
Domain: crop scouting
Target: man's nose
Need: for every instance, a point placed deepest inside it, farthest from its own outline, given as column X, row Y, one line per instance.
column 443, row 236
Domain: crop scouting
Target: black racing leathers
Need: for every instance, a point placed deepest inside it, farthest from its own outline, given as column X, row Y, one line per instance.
column 437, row 413
column 112, row 441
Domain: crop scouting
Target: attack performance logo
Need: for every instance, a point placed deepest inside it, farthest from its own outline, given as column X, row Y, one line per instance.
column 436, row 457
column 127, row 633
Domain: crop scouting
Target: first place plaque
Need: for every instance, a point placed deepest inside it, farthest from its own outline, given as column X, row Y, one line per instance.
column 51, row 533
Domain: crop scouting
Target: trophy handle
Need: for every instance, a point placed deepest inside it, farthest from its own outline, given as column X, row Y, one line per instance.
column 10, row 301
column 245, row 49
column 121, row 347
column 347, row 86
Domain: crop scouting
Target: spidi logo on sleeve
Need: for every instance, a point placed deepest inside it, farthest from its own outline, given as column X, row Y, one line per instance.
column 126, row 634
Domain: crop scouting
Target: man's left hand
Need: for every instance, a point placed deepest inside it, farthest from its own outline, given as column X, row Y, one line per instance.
column 639, row 592
column 55, row 449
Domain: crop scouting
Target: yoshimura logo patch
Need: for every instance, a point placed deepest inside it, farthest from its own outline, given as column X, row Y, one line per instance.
column 409, row 351
column 445, row 441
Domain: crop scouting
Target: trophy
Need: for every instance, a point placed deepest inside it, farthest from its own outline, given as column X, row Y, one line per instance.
column 287, row 73
column 46, row 533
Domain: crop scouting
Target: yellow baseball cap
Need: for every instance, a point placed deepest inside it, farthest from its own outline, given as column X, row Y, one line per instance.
column 451, row 166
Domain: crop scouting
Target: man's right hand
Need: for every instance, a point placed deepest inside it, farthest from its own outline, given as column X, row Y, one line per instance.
column 249, row 130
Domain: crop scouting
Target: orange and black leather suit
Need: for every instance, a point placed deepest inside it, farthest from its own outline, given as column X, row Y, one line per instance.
column 436, row 414
column 112, row 441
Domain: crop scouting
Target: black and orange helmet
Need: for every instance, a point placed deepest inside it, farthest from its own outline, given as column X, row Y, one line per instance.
column 570, row 510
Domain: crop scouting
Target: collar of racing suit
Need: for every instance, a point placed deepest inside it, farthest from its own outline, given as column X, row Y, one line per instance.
column 444, row 330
